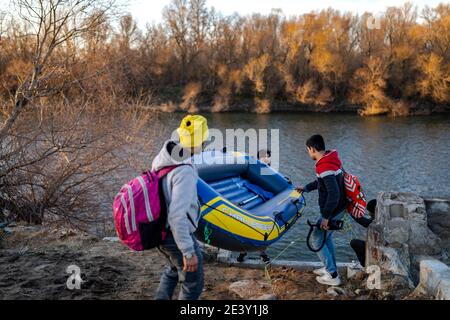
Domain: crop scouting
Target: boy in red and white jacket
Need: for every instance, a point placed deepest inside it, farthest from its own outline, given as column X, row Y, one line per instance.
column 332, row 203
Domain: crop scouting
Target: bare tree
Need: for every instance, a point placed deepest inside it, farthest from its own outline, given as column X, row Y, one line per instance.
column 42, row 162
column 199, row 20
column 51, row 23
column 129, row 33
column 63, row 164
column 176, row 17
column 2, row 24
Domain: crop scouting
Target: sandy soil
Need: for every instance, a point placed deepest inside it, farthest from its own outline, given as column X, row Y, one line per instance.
column 33, row 262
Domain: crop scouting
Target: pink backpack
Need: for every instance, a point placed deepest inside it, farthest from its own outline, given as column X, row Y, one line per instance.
column 140, row 212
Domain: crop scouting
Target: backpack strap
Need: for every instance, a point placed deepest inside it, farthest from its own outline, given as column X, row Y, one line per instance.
column 163, row 202
column 165, row 171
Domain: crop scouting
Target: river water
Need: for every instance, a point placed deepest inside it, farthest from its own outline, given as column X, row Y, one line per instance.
column 399, row 154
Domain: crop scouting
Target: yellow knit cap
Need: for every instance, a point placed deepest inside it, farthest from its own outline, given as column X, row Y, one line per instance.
column 193, row 131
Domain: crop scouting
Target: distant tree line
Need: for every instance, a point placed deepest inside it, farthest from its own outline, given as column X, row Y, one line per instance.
column 196, row 56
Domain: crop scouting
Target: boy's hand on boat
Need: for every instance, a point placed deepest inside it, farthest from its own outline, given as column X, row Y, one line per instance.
column 300, row 189
column 324, row 224
column 190, row 265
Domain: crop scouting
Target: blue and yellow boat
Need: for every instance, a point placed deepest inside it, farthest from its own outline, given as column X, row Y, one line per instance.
column 245, row 204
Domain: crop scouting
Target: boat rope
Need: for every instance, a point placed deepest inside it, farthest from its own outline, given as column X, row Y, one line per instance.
column 348, row 226
column 207, row 232
column 268, row 266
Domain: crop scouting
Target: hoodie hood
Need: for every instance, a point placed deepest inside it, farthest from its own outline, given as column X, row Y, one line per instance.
column 164, row 158
column 329, row 164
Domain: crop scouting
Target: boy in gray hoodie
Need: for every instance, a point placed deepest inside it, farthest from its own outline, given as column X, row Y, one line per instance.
column 180, row 192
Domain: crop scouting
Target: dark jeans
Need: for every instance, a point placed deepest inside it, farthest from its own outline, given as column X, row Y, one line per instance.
column 359, row 246
column 191, row 282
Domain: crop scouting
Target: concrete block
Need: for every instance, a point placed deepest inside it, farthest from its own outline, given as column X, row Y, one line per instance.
column 435, row 278
column 224, row 256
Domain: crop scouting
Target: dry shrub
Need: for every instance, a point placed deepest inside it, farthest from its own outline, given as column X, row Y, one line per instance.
column 58, row 142
column 57, row 162
column 254, row 71
column 434, row 82
column 306, row 92
column 289, row 82
column 191, row 91
column 400, row 109
column 168, row 107
column 369, row 85
column 324, row 98
column 16, row 72
column 374, row 108
column 236, row 79
column 222, row 99
column 262, row 106
column 231, row 80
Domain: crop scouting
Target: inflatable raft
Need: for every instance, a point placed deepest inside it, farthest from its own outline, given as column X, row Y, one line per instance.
column 245, row 205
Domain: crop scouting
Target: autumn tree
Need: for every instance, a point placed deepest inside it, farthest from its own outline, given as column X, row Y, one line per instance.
column 434, row 80
column 369, row 85
column 317, row 59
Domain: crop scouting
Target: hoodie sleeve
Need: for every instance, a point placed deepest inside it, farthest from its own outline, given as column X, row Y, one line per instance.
column 333, row 195
column 311, row 186
column 184, row 194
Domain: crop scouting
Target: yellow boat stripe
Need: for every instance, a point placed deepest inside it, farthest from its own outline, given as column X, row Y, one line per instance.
column 293, row 194
column 241, row 225
column 237, row 221
column 210, row 203
column 232, row 205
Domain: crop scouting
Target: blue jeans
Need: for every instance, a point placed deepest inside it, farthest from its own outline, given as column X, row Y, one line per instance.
column 191, row 282
column 328, row 253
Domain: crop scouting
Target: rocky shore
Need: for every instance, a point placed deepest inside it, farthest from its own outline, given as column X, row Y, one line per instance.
column 34, row 262
column 408, row 243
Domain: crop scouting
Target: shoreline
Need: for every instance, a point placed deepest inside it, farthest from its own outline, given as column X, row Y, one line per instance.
column 279, row 106
column 34, row 259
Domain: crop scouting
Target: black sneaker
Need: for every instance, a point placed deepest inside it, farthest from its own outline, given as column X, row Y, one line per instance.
column 241, row 257
column 265, row 258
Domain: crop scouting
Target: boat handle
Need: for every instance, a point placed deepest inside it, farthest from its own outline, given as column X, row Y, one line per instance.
column 242, row 203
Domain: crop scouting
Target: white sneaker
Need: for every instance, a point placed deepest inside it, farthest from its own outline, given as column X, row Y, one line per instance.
column 328, row 280
column 321, row 271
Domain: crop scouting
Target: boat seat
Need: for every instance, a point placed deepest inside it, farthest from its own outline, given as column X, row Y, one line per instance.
column 235, row 190
column 270, row 207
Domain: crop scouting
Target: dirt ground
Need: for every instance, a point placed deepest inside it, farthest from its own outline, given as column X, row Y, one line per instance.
column 33, row 262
